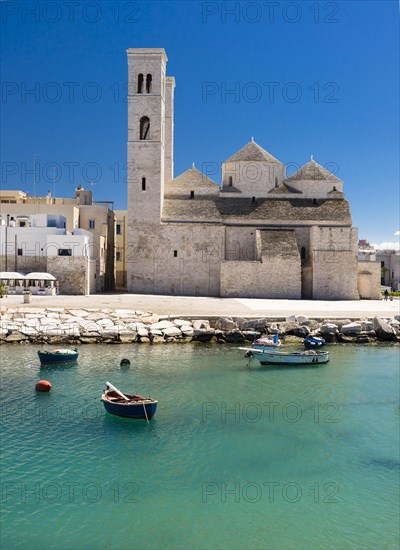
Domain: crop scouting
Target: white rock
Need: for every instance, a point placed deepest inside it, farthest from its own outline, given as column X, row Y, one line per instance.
column 34, row 315
column 143, row 332
column 32, row 323
column 105, row 322
column 291, row 318
column 10, row 325
column 161, row 325
column 301, row 318
column 28, row 331
column 135, row 326
column 125, row 313
column 78, row 312
column 45, row 321
column 172, row 331
column 201, row 323
column 156, row 332
column 88, row 326
column 182, row 322
column 351, row 329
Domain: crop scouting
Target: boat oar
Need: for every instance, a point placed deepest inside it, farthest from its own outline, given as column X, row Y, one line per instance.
column 117, row 391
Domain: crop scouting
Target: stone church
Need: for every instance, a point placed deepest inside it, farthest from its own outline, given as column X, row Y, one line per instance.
column 259, row 234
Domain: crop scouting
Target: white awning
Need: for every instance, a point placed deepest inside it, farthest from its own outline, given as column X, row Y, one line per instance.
column 40, row 276
column 11, row 275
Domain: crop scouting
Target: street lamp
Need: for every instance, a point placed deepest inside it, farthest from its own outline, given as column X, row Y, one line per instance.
column 6, row 250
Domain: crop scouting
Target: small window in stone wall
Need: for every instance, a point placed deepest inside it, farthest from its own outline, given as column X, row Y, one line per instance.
column 192, row 194
column 140, row 83
column 64, row 252
column 20, row 253
column 143, row 184
column 175, row 253
column 91, row 224
column 118, row 229
column 230, row 181
column 118, row 256
column 144, row 128
column 253, row 199
column 149, row 82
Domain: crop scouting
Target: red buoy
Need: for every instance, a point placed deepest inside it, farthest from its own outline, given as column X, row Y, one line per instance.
column 43, row 385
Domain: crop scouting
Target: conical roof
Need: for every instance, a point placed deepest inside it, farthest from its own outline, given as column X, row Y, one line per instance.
column 193, row 178
column 314, row 172
column 252, row 152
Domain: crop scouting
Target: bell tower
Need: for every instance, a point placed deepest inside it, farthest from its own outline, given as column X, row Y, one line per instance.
column 146, row 134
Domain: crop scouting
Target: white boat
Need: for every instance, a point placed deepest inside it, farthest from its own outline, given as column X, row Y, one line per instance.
column 267, row 343
column 267, row 357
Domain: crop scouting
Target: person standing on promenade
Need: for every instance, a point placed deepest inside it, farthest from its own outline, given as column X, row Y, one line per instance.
column 386, row 294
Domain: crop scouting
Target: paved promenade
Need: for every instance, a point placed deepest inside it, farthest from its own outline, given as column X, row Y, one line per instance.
column 178, row 306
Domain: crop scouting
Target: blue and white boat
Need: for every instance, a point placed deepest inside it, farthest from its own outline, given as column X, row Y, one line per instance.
column 127, row 405
column 58, row 356
column 267, row 357
column 312, row 342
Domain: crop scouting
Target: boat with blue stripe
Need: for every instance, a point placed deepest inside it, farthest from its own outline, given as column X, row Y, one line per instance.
column 127, row 405
column 58, row 356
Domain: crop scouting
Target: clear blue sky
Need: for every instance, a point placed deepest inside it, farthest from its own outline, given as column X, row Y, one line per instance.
column 310, row 78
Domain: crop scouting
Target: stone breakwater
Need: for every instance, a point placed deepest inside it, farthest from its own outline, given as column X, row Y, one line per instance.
column 90, row 326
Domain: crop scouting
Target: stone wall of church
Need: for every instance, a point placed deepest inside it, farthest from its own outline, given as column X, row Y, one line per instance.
column 252, row 178
column 316, row 189
column 278, row 278
column 334, row 263
column 182, row 259
column 240, row 244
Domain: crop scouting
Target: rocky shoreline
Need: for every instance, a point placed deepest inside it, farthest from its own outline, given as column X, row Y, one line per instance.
column 57, row 325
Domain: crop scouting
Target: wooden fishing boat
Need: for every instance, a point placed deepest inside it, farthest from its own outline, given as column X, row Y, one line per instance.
column 58, row 356
column 312, row 342
column 309, row 357
column 127, row 405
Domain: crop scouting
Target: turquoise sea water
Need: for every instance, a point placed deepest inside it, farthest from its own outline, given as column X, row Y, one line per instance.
column 236, row 457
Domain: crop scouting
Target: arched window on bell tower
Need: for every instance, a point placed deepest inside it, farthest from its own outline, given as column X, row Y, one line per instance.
column 149, row 81
column 140, row 83
column 144, row 127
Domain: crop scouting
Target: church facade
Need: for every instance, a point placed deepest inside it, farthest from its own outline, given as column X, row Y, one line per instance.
column 259, row 234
